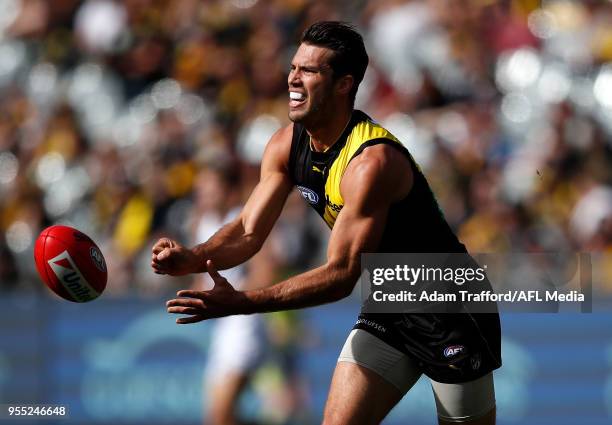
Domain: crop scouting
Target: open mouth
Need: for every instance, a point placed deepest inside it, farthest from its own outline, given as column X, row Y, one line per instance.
column 296, row 99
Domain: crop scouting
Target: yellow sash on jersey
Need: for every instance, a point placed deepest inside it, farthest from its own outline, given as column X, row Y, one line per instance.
column 361, row 133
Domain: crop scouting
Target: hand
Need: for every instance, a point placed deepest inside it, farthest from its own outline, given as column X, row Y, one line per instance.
column 170, row 257
column 221, row 300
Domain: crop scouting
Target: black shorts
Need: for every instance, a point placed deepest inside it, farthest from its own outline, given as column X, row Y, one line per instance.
column 449, row 347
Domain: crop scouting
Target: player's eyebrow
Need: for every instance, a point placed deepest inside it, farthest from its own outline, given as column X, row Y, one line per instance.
column 311, row 67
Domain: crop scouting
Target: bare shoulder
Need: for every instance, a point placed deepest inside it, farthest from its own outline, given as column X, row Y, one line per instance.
column 381, row 170
column 278, row 148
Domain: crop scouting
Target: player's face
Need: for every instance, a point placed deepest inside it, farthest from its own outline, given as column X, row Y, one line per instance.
column 310, row 84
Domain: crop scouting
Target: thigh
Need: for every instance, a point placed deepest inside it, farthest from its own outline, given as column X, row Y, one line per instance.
column 358, row 396
column 470, row 402
column 369, row 379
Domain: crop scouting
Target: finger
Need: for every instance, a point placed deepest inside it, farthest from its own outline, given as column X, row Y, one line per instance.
column 165, row 253
column 212, row 271
column 183, row 310
column 190, row 319
column 157, row 268
column 185, row 302
column 214, row 274
column 189, row 293
column 154, row 259
column 160, row 245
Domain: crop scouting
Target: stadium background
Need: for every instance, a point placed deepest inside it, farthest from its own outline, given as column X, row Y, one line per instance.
column 110, row 110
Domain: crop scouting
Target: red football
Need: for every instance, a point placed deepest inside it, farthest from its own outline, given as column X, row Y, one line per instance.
column 70, row 263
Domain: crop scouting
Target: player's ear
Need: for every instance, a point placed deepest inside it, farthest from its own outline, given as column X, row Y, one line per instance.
column 345, row 83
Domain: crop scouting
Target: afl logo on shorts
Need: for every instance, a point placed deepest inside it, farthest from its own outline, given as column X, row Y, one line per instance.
column 453, row 350
column 97, row 258
column 308, row 194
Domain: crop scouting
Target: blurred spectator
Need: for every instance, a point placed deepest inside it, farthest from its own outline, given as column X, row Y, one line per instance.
column 109, row 107
column 241, row 346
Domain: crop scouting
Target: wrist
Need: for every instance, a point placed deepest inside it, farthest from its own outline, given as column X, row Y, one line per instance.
column 199, row 259
column 250, row 302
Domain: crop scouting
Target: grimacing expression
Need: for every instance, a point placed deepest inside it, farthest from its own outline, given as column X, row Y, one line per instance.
column 311, row 84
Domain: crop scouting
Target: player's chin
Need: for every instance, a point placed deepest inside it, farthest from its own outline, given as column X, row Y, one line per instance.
column 297, row 115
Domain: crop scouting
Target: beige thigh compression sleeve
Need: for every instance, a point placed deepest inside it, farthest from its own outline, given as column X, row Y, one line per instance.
column 366, row 350
column 454, row 402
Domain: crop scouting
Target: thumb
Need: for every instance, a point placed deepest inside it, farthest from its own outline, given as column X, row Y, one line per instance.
column 165, row 253
column 214, row 274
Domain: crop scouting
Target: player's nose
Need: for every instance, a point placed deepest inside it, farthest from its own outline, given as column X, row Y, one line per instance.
column 293, row 80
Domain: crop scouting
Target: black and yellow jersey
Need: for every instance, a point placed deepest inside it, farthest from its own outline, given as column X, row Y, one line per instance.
column 414, row 224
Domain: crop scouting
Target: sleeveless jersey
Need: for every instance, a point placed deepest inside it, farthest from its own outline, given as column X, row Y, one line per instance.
column 414, row 224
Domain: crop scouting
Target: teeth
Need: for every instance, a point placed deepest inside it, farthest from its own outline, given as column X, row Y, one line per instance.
column 296, row 96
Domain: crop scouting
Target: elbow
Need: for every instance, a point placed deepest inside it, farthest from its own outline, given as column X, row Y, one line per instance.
column 254, row 242
column 344, row 291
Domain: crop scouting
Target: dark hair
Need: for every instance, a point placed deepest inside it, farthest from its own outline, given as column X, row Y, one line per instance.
column 350, row 56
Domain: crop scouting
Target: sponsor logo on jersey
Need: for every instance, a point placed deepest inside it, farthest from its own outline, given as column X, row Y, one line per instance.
column 308, row 194
column 331, row 205
column 453, row 350
column 371, row 324
column 97, row 258
column 71, row 278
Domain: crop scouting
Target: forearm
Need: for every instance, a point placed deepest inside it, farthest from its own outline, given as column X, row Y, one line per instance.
column 227, row 248
column 322, row 285
column 239, row 240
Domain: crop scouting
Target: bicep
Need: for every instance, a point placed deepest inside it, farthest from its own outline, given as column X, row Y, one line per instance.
column 369, row 187
column 357, row 230
column 360, row 224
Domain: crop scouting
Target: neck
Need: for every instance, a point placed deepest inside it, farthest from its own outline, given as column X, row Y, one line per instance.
column 323, row 136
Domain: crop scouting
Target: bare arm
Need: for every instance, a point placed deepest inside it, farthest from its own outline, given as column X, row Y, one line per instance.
column 358, row 228
column 240, row 239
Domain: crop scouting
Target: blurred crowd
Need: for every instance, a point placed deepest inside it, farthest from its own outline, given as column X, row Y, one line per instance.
column 112, row 113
